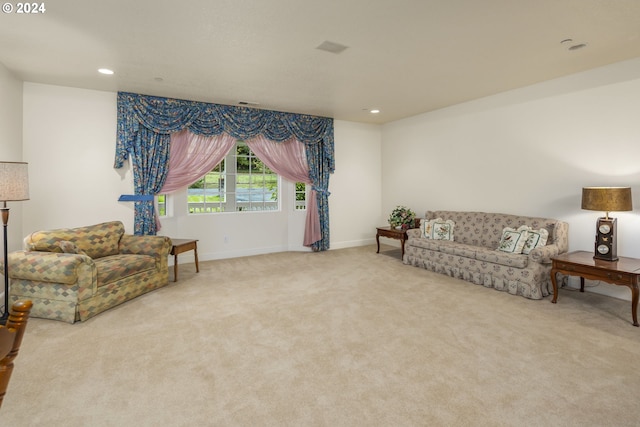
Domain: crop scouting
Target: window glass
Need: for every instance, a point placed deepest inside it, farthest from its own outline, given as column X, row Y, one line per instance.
column 241, row 182
column 301, row 196
column 162, row 205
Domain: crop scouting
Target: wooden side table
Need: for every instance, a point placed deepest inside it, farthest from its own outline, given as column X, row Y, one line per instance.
column 391, row 233
column 624, row 272
column 180, row 246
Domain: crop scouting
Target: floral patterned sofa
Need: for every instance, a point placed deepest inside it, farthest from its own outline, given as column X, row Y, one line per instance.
column 506, row 252
column 75, row 273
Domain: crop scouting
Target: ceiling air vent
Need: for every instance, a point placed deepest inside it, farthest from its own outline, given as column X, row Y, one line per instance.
column 332, row 47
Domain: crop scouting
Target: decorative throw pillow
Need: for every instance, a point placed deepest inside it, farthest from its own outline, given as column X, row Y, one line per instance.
column 437, row 229
column 69, row 247
column 425, row 228
column 536, row 239
column 513, row 240
column 41, row 245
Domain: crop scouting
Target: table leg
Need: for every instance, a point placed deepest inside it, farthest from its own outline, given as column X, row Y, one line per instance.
column 634, row 304
column 555, row 285
column 581, row 284
column 195, row 254
column 402, row 243
column 175, row 268
column 378, row 242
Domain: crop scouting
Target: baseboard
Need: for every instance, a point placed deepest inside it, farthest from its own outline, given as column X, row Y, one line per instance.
column 353, row 243
column 599, row 287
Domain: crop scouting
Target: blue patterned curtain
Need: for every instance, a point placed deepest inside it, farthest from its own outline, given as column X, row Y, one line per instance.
column 146, row 122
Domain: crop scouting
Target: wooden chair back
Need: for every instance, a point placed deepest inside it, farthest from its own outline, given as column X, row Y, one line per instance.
column 10, row 339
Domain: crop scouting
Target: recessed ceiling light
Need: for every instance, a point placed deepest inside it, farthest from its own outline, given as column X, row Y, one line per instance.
column 578, row 46
column 105, row 71
column 374, row 111
column 573, row 46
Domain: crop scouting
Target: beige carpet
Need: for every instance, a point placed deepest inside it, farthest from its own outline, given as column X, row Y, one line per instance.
column 341, row 338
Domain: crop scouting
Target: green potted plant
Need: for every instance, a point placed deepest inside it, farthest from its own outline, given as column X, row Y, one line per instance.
column 402, row 217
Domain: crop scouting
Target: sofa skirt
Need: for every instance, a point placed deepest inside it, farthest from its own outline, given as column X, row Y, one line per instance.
column 532, row 281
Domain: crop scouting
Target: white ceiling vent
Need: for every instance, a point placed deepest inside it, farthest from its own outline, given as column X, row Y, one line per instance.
column 332, row 47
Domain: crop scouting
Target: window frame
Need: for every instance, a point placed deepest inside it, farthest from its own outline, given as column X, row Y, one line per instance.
column 229, row 183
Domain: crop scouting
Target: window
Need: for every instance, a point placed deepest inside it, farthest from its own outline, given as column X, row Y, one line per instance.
column 301, row 196
column 162, row 205
column 241, row 182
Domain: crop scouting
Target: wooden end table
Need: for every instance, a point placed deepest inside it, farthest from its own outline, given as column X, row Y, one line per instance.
column 624, row 272
column 180, row 246
column 391, row 233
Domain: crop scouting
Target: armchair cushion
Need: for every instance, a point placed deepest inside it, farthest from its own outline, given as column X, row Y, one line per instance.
column 96, row 241
column 68, row 247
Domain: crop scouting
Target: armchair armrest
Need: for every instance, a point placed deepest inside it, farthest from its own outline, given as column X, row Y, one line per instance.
column 55, row 268
column 544, row 254
column 158, row 247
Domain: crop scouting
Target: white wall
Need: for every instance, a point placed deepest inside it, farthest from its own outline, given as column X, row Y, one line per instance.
column 69, row 140
column 528, row 151
column 11, row 147
column 356, row 197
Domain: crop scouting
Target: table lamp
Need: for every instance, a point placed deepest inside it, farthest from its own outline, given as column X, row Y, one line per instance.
column 14, row 186
column 607, row 199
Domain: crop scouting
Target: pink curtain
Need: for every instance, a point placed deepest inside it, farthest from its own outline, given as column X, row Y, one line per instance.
column 289, row 160
column 192, row 156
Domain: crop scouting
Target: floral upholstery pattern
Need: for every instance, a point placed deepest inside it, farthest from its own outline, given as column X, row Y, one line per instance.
column 109, row 268
column 474, row 256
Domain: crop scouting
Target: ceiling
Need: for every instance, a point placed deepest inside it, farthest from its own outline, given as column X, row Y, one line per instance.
column 403, row 57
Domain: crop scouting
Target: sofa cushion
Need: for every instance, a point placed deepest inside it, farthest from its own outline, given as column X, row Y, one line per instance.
column 502, row 258
column 68, row 247
column 460, row 249
column 430, row 244
column 95, row 240
column 117, row 267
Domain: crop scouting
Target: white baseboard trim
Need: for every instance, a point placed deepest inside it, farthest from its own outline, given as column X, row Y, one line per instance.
column 597, row 287
column 352, row 243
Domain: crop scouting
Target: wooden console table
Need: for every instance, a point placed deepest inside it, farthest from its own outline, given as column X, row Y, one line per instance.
column 391, row 233
column 624, row 272
column 180, row 246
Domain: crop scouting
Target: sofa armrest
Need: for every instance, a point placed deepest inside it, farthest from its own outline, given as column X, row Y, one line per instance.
column 145, row 245
column 413, row 233
column 544, row 254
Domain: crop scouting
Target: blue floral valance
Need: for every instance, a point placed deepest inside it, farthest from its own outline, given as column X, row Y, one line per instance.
column 165, row 116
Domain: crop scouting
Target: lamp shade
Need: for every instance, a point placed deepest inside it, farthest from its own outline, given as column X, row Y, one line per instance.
column 14, row 181
column 607, row 199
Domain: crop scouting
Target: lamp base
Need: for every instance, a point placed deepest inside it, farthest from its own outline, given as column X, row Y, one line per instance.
column 606, row 247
